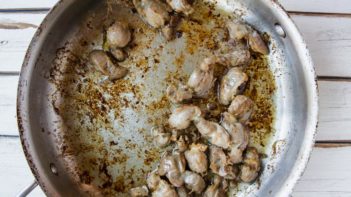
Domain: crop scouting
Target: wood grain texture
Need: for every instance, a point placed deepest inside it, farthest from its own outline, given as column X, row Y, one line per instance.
column 328, row 174
column 14, row 42
column 334, row 119
column 26, row 4
column 335, row 108
column 328, row 39
column 323, row 177
column 14, row 170
column 319, row 6
column 8, row 92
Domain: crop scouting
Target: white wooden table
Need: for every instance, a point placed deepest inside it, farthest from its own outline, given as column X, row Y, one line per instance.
column 326, row 26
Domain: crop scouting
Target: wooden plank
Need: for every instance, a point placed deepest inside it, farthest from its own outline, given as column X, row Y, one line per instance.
column 25, row 5
column 334, row 119
column 8, row 92
column 335, row 107
column 328, row 172
column 318, row 6
column 328, row 39
column 14, row 170
column 16, row 32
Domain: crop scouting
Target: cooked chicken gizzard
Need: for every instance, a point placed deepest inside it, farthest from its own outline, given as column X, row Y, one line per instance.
column 173, row 166
column 213, row 132
column 157, row 14
column 257, row 44
column 180, row 94
column 161, row 137
column 181, row 6
column 202, row 79
column 118, row 35
column 182, row 192
column 196, row 158
column 231, row 84
column 215, row 189
column 220, row 165
column 182, row 116
column 239, row 31
column 239, row 137
column 154, row 12
column 105, row 65
column 241, row 107
column 119, row 54
column 164, row 189
column 194, row 182
column 251, row 166
column 234, row 58
column 142, row 191
column 159, row 187
column 153, row 179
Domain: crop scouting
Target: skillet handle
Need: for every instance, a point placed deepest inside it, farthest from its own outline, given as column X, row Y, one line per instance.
column 28, row 189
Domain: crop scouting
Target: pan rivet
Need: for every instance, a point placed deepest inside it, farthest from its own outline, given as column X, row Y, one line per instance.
column 279, row 30
column 53, row 169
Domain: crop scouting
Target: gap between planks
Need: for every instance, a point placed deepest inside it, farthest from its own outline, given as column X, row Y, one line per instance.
column 332, row 78
column 329, row 14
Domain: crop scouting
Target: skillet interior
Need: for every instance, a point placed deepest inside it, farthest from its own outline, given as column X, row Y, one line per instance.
column 48, row 120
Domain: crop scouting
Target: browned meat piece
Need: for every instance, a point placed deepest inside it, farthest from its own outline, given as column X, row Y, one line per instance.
column 153, row 179
column 220, row 165
column 181, row 6
column 257, row 44
column 183, row 192
column 194, row 182
column 202, row 78
column 159, row 187
column 216, row 189
column 213, row 132
column 251, row 166
column 104, row 64
column 119, row 54
column 231, row 85
column 196, row 158
column 182, row 116
column 179, row 95
column 235, row 58
column 238, row 30
column 164, row 189
column 154, row 12
column 161, row 137
column 173, row 166
column 241, row 107
column 139, row 191
column 118, row 35
column 239, row 135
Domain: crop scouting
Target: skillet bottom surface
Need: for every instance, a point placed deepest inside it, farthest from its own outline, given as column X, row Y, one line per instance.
column 105, row 138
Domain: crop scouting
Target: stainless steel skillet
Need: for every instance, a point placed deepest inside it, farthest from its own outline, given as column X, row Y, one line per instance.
column 48, row 114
